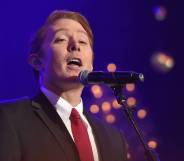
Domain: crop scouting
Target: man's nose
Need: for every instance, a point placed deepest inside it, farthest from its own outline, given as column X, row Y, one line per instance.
column 73, row 46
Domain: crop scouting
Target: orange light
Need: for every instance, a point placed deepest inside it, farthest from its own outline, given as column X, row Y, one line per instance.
column 131, row 101
column 141, row 114
column 97, row 91
column 94, row 108
column 162, row 62
column 115, row 104
column 162, row 58
column 110, row 118
column 106, row 106
column 152, row 144
column 130, row 87
column 111, row 67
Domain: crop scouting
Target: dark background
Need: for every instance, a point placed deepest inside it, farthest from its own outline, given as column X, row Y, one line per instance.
column 127, row 34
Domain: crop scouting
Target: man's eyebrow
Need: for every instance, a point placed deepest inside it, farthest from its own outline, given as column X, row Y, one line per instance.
column 65, row 29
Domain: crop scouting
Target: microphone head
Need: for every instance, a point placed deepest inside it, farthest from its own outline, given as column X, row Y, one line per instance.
column 120, row 77
column 83, row 77
column 141, row 77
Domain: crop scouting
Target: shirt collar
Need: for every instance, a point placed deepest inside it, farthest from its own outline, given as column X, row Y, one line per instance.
column 62, row 106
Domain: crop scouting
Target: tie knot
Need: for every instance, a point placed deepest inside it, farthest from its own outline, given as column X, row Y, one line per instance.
column 74, row 114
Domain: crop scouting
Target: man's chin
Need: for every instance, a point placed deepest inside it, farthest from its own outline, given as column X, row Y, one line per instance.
column 71, row 79
column 72, row 82
column 74, row 69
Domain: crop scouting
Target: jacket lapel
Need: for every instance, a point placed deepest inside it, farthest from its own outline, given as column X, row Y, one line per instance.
column 101, row 137
column 51, row 119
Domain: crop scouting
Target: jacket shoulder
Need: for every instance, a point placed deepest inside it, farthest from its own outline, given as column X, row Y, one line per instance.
column 14, row 103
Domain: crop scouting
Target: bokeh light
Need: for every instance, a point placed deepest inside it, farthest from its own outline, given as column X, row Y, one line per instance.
column 97, row 91
column 160, row 13
column 111, row 67
column 130, row 87
column 110, row 118
column 94, row 108
column 131, row 102
column 152, row 144
column 128, row 155
column 141, row 113
column 106, row 106
column 115, row 104
column 162, row 62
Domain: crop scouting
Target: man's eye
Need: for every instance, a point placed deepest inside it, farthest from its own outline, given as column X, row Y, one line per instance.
column 59, row 40
column 82, row 42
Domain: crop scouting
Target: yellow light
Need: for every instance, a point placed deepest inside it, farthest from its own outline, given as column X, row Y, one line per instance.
column 152, row 144
column 106, row 106
column 130, row 87
column 110, row 118
column 115, row 104
column 169, row 62
column 94, row 108
column 111, row 67
column 141, row 114
column 97, row 91
column 131, row 101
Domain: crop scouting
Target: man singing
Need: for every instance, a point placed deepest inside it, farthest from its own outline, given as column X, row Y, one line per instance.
column 53, row 125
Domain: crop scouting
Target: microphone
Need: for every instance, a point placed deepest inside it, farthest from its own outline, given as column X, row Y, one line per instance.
column 110, row 78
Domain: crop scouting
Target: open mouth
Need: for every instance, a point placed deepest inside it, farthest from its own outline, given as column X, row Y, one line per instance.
column 74, row 61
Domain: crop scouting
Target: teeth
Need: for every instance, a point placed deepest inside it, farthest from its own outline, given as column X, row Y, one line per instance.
column 74, row 61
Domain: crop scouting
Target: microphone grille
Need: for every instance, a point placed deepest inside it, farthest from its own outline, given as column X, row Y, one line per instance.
column 141, row 77
column 83, row 77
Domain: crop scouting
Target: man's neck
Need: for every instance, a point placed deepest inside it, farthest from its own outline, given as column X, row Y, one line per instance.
column 72, row 95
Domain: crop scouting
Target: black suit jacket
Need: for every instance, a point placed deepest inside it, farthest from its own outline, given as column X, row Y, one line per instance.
column 31, row 130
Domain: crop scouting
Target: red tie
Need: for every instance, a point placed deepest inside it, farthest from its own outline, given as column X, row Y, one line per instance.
column 81, row 137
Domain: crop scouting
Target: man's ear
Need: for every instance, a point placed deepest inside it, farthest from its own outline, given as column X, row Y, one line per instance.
column 35, row 61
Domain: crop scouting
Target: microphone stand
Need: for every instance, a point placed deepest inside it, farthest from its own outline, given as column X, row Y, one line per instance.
column 150, row 155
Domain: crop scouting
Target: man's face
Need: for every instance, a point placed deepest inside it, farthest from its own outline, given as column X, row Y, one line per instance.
column 66, row 51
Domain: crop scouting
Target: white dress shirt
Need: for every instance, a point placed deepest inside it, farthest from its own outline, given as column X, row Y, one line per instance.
column 64, row 109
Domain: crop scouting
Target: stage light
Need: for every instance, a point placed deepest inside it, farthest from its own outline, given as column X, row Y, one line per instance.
column 131, row 101
column 111, row 67
column 94, row 108
column 106, row 106
column 152, row 144
column 162, row 62
column 110, row 118
column 97, row 91
column 160, row 13
column 130, row 87
column 141, row 114
column 115, row 104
